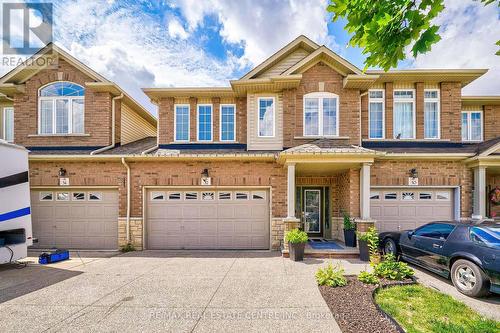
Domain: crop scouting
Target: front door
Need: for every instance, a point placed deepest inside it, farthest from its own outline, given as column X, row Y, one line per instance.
column 312, row 211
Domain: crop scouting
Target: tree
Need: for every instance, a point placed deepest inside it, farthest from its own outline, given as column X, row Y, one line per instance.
column 385, row 28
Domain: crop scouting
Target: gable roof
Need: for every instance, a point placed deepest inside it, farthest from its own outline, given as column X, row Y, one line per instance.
column 299, row 42
column 14, row 80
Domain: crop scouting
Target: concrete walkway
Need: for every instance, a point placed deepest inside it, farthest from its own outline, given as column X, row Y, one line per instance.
column 167, row 291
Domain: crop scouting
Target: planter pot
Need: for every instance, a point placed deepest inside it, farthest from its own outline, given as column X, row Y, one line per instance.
column 364, row 253
column 296, row 251
column 350, row 238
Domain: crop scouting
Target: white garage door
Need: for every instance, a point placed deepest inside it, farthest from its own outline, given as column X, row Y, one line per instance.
column 76, row 218
column 207, row 219
column 402, row 209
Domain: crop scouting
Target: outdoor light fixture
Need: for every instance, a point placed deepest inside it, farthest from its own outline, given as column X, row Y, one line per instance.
column 62, row 172
column 205, row 173
column 413, row 173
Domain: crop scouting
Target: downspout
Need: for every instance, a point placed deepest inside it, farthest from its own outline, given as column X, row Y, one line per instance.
column 127, row 228
column 113, row 126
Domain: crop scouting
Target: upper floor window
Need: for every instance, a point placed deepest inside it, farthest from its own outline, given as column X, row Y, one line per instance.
column 431, row 114
column 321, row 114
column 8, row 124
column 404, row 114
column 204, row 122
column 472, row 125
column 376, row 112
column 227, row 122
column 181, row 122
column 61, row 108
column 266, row 116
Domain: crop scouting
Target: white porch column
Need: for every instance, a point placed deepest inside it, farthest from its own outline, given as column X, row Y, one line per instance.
column 479, row 200
column 291, row 191
column 364, row 195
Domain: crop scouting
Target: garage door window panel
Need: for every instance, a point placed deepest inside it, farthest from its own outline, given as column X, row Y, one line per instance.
column 174, row 196
column 425, row 196
column 208, row 196
column 78, row 196
column 241, row 195
column 408, row 196
column 443, row 196
column 374, row 195
column 46, row 196
column 390, row 196
column 62, row 196
column 191, row 196
column 157, row 196
column 261, row 195
column 95, row 196
column 225, row 196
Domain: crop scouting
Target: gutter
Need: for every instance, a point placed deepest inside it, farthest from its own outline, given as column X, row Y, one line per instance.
column 113, row 127
column 128, row 199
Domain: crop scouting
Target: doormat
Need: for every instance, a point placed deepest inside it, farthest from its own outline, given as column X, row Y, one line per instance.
column 325, row 245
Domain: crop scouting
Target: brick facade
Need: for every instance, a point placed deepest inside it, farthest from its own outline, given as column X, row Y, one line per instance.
column 97, row 111
column 491, row 122
column 451, row 105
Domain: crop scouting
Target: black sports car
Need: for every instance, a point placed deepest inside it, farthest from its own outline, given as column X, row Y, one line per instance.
column 467, row 252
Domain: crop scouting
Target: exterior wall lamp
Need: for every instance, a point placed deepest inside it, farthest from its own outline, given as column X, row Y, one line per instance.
column 62, row 172
column 204, row 173
column 413, row 173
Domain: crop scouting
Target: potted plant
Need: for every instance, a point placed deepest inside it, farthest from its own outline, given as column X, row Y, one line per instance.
column 349, row 231
column 296, row 240
column 368, row 244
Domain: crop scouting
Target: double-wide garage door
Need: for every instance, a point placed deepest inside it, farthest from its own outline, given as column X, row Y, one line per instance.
column 207, row 219
column 75, row 219
column 407, row 208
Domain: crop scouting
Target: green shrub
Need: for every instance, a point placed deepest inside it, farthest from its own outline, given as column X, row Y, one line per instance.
column 391, row 269
column 331, row 276
column 372, row 240
column 295, row 236
column 127, row 248
column 368, row 278
column 348, row 222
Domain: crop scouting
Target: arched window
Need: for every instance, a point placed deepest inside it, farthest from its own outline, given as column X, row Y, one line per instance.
column 321, row 114
column 60, row 108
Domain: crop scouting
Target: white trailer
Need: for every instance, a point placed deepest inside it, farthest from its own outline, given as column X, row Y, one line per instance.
column 15, row 212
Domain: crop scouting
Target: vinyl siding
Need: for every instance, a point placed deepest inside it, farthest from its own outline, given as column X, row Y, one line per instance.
column 134, row 127
column 285, row 63
column 255, row 142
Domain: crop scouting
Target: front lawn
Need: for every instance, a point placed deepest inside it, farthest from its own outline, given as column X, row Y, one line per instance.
column 419, row 309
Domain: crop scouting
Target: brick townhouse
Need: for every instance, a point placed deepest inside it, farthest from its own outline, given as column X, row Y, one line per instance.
column 300, row 140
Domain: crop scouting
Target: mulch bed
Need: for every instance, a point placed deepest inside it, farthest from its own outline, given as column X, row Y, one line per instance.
column 354, row 308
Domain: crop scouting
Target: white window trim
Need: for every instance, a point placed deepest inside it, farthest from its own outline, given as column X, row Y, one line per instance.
column 438, row 101
column 377, row 100
column 220, row 122
column 469, row 127
column 320, row 95
column 175, row 122
column 4, row 128
column 404, row 100
column 70, row 110
column 198, row 122
column 258, row 116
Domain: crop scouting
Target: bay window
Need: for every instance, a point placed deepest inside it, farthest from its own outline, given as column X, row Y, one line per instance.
column 61, row 108
column 205, row 122
column 472, row 126
column 8, row 124
column 431, row 114
column 227, row 122
column 181, row 122
column 404, row 114
column 376, row 113
column 266, row 120
column 321, row 114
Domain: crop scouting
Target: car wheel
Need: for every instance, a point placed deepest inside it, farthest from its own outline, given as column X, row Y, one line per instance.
column 390, row 247
column 469, row 279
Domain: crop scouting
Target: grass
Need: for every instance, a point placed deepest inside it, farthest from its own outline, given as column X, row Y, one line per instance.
column 420, row 310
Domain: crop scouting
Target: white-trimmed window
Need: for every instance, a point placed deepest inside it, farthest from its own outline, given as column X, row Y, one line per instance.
column 78, row 196
column 321, row 114
column 205, row 118
column 61, row 108
column 46, row 196
column 8, row 124
column 95, row 196
column 404, row 114
column 431, row 114
column 227, row 122
column 181, row 122
column 472, row 126
column 62, row 196
column 266, row 116
column 376, row 114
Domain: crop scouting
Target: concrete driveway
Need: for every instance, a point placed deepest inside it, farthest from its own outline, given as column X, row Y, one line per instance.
column 167, row 291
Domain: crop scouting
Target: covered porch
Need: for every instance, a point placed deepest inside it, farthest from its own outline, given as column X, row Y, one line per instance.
column 325, row 182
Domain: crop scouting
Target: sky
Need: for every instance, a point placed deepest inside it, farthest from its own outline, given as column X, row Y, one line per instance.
column 178, row 43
